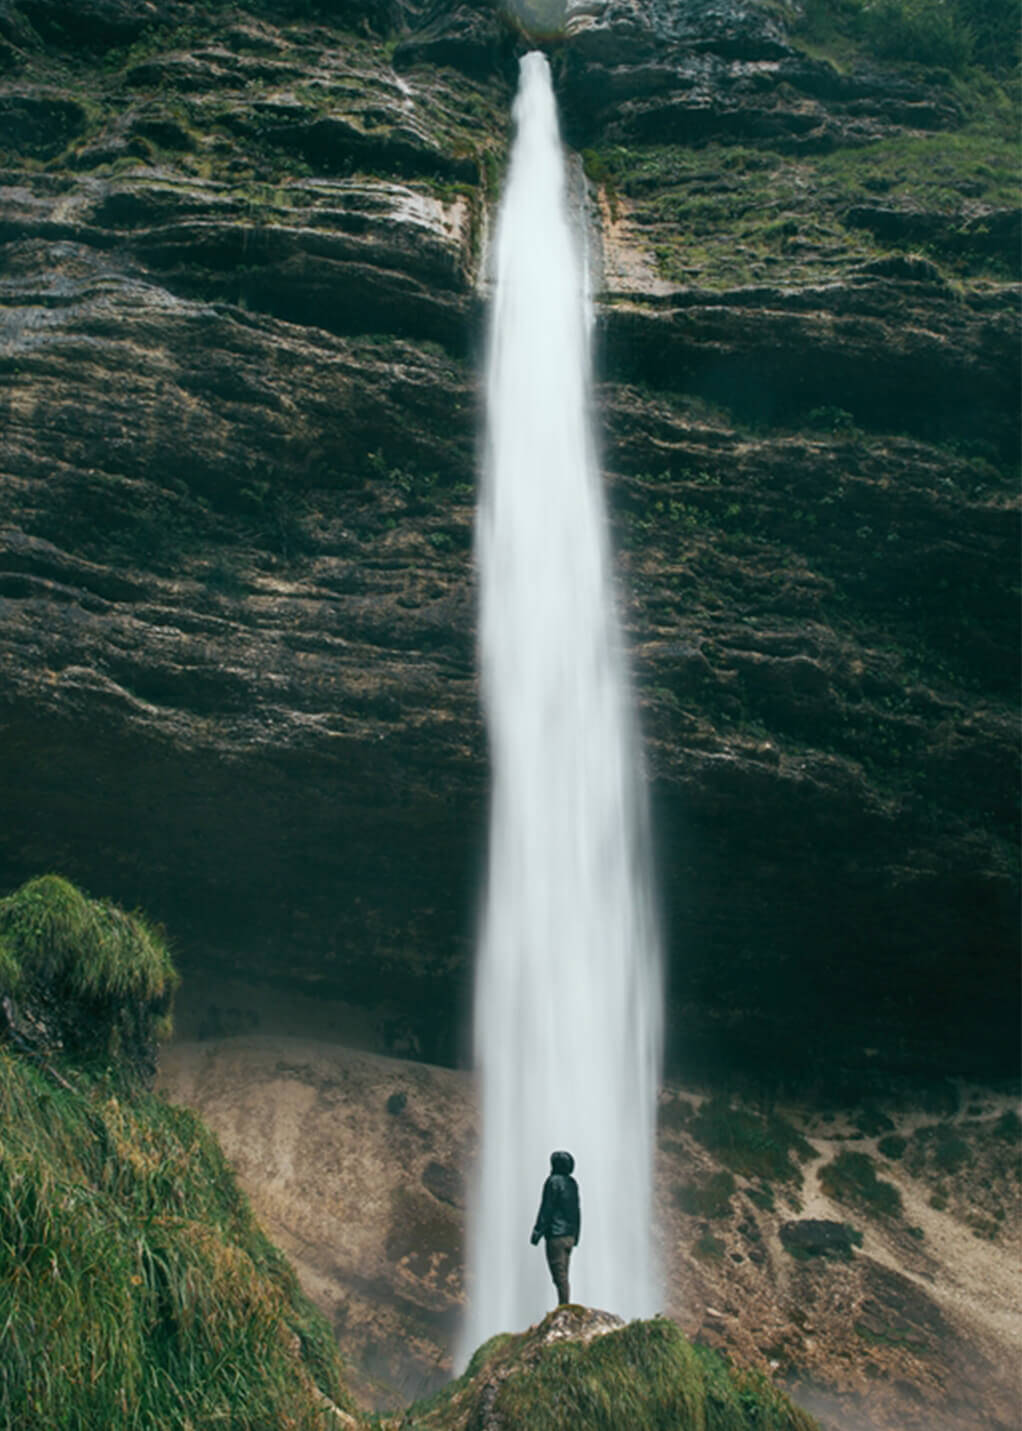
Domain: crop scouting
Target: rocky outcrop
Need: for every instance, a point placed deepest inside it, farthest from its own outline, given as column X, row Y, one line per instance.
column 239, row 330
column 645, row 1373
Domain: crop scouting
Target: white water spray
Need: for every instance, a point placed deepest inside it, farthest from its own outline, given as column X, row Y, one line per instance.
column 568, row 997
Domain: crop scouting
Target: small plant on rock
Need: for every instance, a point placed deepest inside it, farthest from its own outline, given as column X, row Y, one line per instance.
column 851, row 1178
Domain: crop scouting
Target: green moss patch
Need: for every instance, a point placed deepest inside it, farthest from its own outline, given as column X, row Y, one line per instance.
column 871, row 1121
column 816, row 1237
column 82, row 976
column 851, row 1178
column 645, row 1377
column 941, row 1147
column 749, row 1143
column 892, row 1146
column 730, row 215
column 708, row 1197
column 709, row 1248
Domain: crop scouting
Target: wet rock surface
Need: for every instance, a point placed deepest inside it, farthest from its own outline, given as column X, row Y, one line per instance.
column 238, row 344
column 644, row 71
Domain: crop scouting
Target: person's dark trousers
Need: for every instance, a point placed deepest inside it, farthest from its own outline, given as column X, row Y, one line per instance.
column 558, row 1253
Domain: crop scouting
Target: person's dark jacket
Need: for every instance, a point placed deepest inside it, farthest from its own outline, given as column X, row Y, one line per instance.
column 559, row 1212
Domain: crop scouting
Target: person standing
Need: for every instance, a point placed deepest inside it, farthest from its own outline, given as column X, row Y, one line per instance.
column 559, row 1220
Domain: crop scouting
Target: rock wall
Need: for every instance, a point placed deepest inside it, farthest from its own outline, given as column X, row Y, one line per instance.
column 240, row 327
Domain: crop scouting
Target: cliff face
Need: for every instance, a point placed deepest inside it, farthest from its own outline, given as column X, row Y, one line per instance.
column 240, row 337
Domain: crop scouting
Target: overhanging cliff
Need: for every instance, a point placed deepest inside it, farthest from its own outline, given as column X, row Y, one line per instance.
column 240, row 413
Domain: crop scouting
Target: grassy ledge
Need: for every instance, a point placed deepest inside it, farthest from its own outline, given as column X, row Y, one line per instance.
column 136, row 1289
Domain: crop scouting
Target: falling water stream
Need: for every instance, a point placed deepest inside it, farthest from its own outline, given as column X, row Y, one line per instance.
column 567, row 1015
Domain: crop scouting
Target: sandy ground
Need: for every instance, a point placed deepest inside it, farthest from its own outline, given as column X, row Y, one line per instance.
column 356, row 1165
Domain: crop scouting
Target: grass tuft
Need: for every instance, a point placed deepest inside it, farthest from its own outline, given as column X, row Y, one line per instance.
column 892, row 1145
column 52, row 933
column 83, row 977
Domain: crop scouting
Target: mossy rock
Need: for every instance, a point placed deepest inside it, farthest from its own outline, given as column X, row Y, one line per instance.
column 588, row 1370
column 81, row 977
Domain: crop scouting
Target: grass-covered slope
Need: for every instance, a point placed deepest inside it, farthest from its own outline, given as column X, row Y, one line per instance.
column 572, row 1371
column 136, row 1289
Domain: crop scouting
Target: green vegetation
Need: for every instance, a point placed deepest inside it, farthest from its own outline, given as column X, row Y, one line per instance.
column 727, row 215
column 136, row 1290
column 709, row 1248
column 762, row 1197
column 871, row 1121
column 102, row 978
column 851, row 1178
column 135, row 1287
column 645, row 1377
column 892, row 1146
column 949, row 33
column 260, row 136
column 52, row 933
column 806, row 1240
column 942, row 1146
column 710, row 1197
column 748, row 1143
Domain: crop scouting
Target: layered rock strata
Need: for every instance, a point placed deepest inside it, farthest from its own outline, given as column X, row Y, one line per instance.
column 239, row 314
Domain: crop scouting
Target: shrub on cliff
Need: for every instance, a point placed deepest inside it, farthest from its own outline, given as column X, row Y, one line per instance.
column 136, row 1290
column 750, row 1144
column 950, row 33
column 80, row 976
column 851, row 1178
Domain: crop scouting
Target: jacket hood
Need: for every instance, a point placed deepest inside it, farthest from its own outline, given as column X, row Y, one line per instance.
column 561, row 1162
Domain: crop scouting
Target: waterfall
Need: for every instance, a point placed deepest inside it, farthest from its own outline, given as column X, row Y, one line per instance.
column 568, row 996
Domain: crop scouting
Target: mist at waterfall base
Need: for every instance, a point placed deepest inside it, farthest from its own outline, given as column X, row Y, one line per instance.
column 568, row 987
